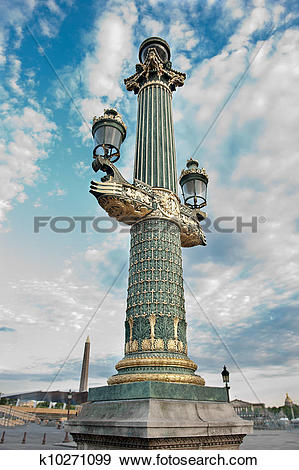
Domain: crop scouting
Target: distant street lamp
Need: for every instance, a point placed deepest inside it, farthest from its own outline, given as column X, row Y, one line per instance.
column 69, row 397
column 225, row 378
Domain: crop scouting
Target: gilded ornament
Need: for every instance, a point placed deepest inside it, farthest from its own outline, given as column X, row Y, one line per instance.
column 176, row 378
column 154, row 65
column 171, row 345
column 175, row 327
column 159, row 344
column 146, row 344
column 131, row 321
column 152, row 361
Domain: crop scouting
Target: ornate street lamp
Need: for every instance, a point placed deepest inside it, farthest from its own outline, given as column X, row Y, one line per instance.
column 194, row 182
column 109, row 132
column 225, row 378
column 155, row 346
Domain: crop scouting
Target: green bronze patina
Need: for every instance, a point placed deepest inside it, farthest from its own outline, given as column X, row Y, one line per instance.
column 157, row 390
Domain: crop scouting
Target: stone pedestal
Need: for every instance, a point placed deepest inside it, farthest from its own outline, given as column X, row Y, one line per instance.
column 154, row 415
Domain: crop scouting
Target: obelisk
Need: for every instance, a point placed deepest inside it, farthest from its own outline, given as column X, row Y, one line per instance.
column 85, row 365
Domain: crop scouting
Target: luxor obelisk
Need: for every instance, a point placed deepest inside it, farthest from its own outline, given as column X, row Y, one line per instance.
column 85, row 366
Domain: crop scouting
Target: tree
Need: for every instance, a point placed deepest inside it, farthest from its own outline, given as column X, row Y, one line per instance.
column 58, row 406
column 43, row 404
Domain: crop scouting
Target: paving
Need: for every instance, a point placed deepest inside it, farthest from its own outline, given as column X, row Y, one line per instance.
column 259, row 440
column 272, row 440
column 34, row 437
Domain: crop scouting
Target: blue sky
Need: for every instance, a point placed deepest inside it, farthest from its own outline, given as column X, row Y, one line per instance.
column 247, row 283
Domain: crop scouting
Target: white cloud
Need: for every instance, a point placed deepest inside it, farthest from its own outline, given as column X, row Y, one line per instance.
column 54, row 8
column 2, row 49
column 112, row 47
column 15, row 75
column 259, row 17
column 93, row 255
column 101, row 70
column 182, row 62
column 181, row 36
column 235, row 7
column 28, row 134
column 13, row 15
column 33, row 120
column 212, row 81
column 151, row 26
column 57, row 192
column 47, row 28
column 81, row 168
column 118, row 241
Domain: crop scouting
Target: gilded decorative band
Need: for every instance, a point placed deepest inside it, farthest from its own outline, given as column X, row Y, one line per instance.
column 174, row 378
column 156, row 361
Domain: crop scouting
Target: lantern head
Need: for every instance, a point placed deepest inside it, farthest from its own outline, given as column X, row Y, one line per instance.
column 225, row 375
column 194, row 182
column 109, row 132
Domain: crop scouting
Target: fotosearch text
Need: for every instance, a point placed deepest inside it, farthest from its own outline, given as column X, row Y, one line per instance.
column 85, row 224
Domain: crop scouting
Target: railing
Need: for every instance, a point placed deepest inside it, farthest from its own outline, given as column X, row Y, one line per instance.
column 12, row 417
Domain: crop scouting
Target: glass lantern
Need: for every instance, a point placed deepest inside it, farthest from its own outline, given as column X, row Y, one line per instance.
column 194, row 182
column 109, row 132
column 225, row 375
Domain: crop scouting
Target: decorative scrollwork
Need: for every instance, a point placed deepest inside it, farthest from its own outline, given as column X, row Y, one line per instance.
column 154, row 67
column 129, row 203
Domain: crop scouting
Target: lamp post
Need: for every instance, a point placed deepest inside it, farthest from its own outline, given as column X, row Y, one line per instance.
column 155, row 349
column 155, row 326
column 225, row 378
column 69, row 397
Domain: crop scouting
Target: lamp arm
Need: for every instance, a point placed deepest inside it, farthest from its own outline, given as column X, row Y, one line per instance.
column 112, row 173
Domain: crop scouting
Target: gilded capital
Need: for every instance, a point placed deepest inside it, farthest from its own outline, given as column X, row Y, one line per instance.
column 154, row 67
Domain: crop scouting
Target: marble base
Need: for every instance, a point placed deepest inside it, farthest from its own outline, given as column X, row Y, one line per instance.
column 154, row 423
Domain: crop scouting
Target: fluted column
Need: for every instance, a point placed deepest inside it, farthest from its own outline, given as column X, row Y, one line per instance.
column 155, row 159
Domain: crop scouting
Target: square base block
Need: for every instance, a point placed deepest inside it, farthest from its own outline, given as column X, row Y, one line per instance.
column 154, row 422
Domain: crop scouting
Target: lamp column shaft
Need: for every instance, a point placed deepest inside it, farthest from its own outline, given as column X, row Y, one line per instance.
column 227, row 392
column 155, row 159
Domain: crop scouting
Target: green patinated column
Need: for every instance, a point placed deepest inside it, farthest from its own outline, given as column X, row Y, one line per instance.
column 155, row 326
column 155, row 160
